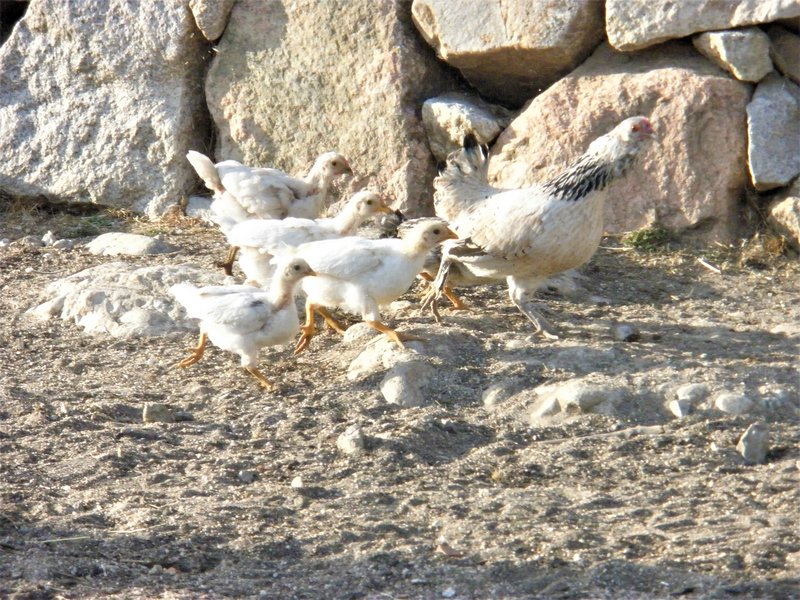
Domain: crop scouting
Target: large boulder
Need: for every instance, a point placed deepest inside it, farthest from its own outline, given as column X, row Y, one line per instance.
column 292, row 80
column 211, row 16
column 99, row 103
column 692, row 177
column 510, row 50
column 773, row 127
column 123, row 300
column 634, row 24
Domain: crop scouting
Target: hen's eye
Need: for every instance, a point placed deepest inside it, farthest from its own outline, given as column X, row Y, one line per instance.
column 369, row 202
column 635, row 128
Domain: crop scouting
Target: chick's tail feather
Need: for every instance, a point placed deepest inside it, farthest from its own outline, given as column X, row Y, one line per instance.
column 206, row 170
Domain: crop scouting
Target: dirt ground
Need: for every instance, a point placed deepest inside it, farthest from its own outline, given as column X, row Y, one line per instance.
column 451, row 500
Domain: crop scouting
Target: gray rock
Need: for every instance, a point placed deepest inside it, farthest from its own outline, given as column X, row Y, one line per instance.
column 754, row 443
column 402, row 384
column 623, row 332
column 785, row 52
column 279, row 100
column 773, row 127
column 499, row 392
column 199, row 207
column 28, row 241
column 358, row 333
column 733, row 404
column 49, row 238
column 64, row 244
column 742, row 52
column 783, row 213
column 130, row 244
column 122, row 300
column 352, row 440
column 693, row 393
column 116, row 88
column 633, row 24
column 449, row 117
column 680, row 408
column 513, row 49
column 154, row 412
column 586, row 395
column 246, row 476
column 544, row 407
column 211, row 16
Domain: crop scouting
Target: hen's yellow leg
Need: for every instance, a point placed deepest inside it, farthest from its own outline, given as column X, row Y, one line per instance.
column 260, row 376
column 197, row 352
column 308, row 329
column 393, row 335
column 229, row 258
column 458, row 303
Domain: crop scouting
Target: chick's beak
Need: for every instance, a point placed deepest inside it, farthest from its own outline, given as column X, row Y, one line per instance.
column 311, row 273
column 451, row 235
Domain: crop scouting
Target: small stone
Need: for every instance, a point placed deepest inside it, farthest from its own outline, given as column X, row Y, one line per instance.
column 4, row 242
column 358, row 333
column 680, row 408
column 742, row 52
column 733, row 404
column 352, row 440
column 402, row 384
column 64, row 244
column 246, row 476
column 754, row 443
column 622, row 332
column 297, row 483
column 498, row 392
column 544, row 407
column 157, row 413
column 49, row 238
column 130, row 244
column 29, row 241
column 181, row 416
column 449, row 592
column 692, row 392
column 584, row 395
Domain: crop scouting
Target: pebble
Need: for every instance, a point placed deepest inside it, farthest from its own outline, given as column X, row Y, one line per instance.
column 49, row 238
column 499, row 392
column 64, row 244
column 692, row 392
column 544, row 407
column 4, row 242
column 246, row 476
column 754, row 443
column 155, row 412
column 680, row 408
column 297, row 483
column 358, row 333
column 733, row 404
column 622, row 332
column 449, row 593
column 352, row 440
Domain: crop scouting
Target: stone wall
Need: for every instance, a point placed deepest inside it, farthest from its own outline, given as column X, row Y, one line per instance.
column 99, row 102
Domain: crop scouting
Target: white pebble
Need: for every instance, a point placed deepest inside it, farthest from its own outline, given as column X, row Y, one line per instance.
column 449, row 592
column 733, row 404
column 297, row 483
column 352, row 440
column 754, row 443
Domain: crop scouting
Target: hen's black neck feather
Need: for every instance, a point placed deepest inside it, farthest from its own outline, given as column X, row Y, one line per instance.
column 588, row 174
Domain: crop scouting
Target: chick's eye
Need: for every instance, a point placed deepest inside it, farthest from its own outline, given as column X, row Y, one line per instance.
column 437, row 231
column 369, row 202
column 297, row 267
column 635, row 128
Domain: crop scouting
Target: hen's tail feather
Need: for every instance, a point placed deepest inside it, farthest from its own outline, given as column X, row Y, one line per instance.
column 206, row 170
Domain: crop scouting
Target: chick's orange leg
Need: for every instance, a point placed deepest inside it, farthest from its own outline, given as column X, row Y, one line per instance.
column 332, row 323
column 229, row 258
column 308, row 329
column 197, row 352
column 393, row 335
column 260, row 376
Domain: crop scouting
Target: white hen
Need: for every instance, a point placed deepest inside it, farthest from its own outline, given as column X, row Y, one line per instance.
column 259, row 239
column 243, row 319
column 527, row 235
column 358, row 275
